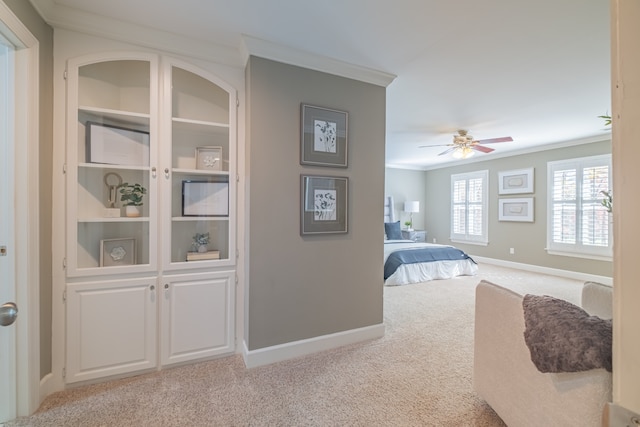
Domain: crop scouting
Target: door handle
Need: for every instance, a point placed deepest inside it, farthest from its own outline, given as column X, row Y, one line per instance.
column 8, row 313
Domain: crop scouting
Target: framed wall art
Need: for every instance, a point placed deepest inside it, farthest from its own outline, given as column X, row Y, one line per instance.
column 518, row 181
column 209, row 158
column 324, row 201
column 117, row 252
column 323, row 140
column 205, row 198
column 116, row 145
column 515, row 209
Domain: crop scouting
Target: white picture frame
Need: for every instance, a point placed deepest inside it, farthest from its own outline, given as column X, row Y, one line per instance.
column 516, row 209
column 517, row 181
column 209, row 158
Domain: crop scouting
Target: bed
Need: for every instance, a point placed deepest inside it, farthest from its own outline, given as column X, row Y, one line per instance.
column 406, row 261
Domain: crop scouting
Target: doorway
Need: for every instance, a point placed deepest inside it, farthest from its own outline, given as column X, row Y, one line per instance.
column 19, row 215
column 8, row 343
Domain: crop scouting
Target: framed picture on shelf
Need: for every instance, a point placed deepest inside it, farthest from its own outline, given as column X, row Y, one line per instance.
column 209, row 158
column 324, row 202
column 205, row 198
column 518, row 181
column 116, row 145
column 323, row 140
column 516, row 209
column 117, row 252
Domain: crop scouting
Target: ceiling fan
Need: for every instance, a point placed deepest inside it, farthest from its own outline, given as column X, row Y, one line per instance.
column 464, row 146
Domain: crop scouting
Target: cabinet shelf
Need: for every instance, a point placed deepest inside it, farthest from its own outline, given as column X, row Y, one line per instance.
column 111, row 166
column 118, row 116
column 118, row 219
column 199, row 218
column 200, row 125
column 183, row 171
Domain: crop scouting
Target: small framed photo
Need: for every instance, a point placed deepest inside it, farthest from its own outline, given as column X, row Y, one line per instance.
column 515, row 209
column 117, row 252
column 324, row 137
column 209, row 158
column 518, row 181
column 205, row 198
column 324, row 203
column 116, row 145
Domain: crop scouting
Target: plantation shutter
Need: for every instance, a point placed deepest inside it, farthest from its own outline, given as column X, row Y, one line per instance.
column 469, row 207
column 595, row 218
column 579, row 224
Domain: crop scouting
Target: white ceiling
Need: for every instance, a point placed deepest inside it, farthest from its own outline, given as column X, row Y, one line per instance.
column 538, row 71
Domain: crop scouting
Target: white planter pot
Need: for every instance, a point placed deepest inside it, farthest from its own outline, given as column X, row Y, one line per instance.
column 132, row 211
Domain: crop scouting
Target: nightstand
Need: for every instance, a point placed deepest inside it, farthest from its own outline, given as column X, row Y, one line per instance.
column 415, row 235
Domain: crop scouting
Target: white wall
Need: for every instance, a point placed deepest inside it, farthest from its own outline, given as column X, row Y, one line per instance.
column 406, row 185
column 625, row 33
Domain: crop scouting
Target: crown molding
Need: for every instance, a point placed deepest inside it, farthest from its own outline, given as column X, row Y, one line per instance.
column 252, row 46
column 60, row 16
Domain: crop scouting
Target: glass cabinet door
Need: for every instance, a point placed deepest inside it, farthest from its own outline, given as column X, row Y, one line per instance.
column 110, row 170
column 201, row 192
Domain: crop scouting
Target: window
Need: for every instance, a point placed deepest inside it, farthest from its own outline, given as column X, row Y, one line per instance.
column 578, row 225
column 469, row 207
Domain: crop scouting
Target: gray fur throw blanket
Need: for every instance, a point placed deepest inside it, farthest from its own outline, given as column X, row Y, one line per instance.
column 562, row 337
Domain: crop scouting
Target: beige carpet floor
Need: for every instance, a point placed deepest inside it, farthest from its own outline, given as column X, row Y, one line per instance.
column 418, row 374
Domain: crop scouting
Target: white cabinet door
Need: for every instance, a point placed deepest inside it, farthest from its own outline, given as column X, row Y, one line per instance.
column 112, row 146
column 111, row 328
column 196, row 314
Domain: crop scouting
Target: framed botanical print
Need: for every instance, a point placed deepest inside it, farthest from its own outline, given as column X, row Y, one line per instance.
column 324, row 201
column 323, row 140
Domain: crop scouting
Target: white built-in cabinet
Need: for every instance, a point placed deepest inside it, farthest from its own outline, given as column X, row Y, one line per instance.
column 133, row 299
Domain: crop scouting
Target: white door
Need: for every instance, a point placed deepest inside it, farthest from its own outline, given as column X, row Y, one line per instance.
column 8, row 344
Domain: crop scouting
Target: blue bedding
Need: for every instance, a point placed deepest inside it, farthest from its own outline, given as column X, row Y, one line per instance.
column 412, row 256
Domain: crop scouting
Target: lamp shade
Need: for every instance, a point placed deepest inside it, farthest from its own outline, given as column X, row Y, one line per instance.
column 412, row 206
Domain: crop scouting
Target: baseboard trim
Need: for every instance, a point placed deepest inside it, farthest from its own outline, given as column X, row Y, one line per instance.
column 47, row 387
column 546, row 270
column 278, row 353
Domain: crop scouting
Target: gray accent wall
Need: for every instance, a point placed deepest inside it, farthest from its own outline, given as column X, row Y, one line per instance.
column 301, row 287
column 527, row 239
column 44, row 33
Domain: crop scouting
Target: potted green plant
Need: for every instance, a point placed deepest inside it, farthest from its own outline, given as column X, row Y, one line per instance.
column 408, row 224
column 607, row 201
column 200, row 242
column 131, row 198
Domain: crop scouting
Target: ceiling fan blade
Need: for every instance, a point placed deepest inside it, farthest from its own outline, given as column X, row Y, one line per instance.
column 494, row 140
column 436, row 145
column 447, row 151
column 482, row 148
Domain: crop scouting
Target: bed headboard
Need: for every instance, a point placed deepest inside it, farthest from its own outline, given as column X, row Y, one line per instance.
column 389, row 214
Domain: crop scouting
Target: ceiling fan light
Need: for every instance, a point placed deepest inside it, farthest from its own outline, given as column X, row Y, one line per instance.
column 462, row 153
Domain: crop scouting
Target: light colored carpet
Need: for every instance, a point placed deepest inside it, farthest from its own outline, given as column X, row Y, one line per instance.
column 418, row 374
